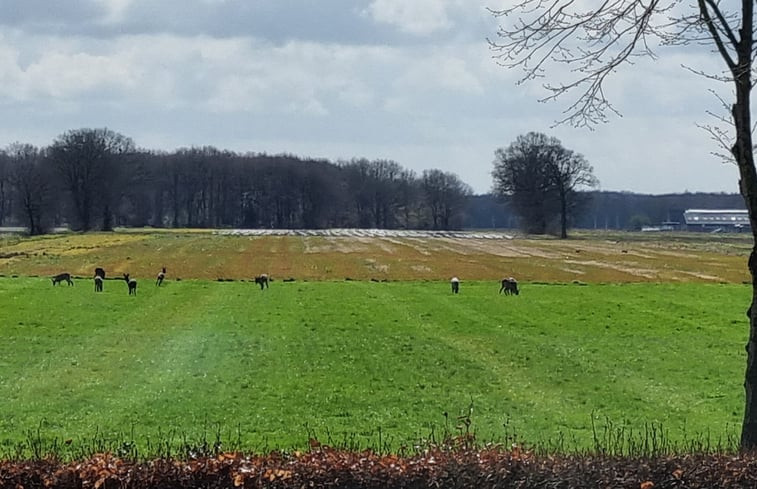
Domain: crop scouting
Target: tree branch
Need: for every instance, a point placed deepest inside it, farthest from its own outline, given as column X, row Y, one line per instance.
column 593, row 42
column 716, row 34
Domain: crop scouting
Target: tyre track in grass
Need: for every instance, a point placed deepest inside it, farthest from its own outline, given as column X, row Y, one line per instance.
column 353, row 356
column 553, row 378
column 209, row 371
column 400, row 384
column 144, row 336
column 453, row 374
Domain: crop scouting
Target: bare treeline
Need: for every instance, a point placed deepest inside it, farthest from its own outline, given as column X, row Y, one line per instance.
column 91, row 179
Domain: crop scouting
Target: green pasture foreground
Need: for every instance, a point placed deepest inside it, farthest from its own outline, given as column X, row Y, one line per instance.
column 356, row 361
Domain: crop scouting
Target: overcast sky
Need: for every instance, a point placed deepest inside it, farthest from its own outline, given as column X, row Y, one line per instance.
column 408, row 80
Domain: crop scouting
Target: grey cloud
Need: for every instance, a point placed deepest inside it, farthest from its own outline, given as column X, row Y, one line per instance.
column 273, row 20
column 278, row 21
column 50, row 16
column 434, row 101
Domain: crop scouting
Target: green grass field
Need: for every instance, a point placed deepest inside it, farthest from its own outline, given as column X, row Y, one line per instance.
column 350, row 360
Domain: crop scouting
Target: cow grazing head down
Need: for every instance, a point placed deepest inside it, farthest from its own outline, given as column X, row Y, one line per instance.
column 262, row 280
column 63, row 277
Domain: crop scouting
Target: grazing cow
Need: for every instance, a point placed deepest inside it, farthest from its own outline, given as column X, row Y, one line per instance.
column 160, row 278
column 509, row 286
column 100, row 272
column 132, row 283
column 63, row 277
column 455, row 282
column 98, row 283
column 262, row 280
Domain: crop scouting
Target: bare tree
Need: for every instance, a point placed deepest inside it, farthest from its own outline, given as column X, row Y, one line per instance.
column 360, row 181
column 5, row 208
column 87, row 161
column 541, row 177
column 568, row 171
column 595, row 42
column 445, row 195
column 408, row 199
column 32, row 186
column 521, row 178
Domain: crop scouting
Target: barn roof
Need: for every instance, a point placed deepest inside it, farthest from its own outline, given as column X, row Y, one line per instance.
column 716, row 217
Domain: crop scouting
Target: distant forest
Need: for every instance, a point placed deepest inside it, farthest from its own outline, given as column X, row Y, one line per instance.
column 607, row 209
column 96, row 179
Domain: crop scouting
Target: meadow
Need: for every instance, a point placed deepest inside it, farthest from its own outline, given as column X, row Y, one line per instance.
column 363, row 363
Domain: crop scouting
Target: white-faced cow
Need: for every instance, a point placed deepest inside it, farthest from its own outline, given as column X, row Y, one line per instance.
column 262, row 280
column 132, row 283
column 455, row 282
column 161, row 276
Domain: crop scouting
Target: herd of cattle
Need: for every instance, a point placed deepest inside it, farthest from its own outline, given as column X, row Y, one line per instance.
column 509, row 285
column 99, row 278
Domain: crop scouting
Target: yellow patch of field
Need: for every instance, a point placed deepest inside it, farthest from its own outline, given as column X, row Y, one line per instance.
column 78, row 254
column 339, row 245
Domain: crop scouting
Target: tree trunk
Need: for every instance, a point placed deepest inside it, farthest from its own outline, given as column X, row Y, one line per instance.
column 84, row 212
column 2, row 201
column 749, row 428
column 743, row 153
column 30, row 217
column 563, row 214
column 107, row 218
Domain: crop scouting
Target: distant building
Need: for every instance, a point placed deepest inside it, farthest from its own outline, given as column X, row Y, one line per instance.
column 715, row 220
column 671, row 226
column 665, row 226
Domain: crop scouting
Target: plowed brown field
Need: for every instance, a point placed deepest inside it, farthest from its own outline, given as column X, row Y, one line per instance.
column 588, row 257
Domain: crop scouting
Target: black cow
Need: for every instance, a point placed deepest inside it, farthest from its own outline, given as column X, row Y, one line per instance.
column 509, row 286
column 455, row 282
column 161, row 276
column 262, row 280
column 132, row 283
column 63, row 277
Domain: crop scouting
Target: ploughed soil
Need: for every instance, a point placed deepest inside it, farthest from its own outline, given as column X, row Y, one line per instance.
column 381, row 255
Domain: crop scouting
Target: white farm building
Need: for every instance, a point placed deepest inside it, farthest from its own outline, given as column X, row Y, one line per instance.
column 733, row 220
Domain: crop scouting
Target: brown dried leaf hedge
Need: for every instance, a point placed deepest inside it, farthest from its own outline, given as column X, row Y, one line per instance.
column 327, row 468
